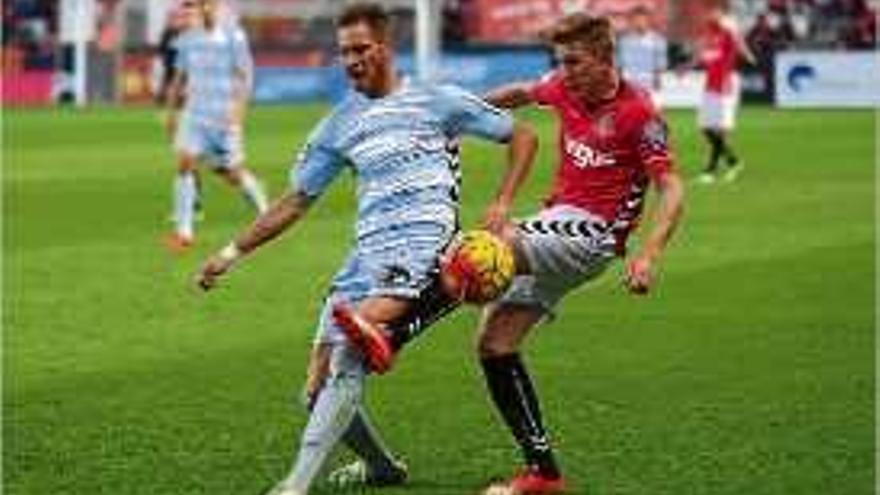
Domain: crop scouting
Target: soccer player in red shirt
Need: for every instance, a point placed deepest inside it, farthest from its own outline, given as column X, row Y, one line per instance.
column 719, row 51
column 612, row 145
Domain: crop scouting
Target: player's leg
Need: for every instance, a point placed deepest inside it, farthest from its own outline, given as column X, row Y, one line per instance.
column 502, row 330
column 331, row 414
column 376, row 465
column 230, row 151
column 558, row 250
column 185, row 193
column 708, row 120
column 728, row 121
column 405, row 297
column 189, row 144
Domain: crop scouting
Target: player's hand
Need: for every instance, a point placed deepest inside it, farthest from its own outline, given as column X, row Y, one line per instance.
column 495, row 218
column 212, row 270
column 639, row 275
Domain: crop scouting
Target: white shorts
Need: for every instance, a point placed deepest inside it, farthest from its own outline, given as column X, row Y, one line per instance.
column 718, row 110
column 222, row 146
column 565, row 246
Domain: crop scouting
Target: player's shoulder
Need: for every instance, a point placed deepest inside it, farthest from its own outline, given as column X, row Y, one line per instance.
column 635, row 104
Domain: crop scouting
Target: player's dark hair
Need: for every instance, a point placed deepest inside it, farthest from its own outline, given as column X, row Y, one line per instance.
column 371, row 14
column 595, row 33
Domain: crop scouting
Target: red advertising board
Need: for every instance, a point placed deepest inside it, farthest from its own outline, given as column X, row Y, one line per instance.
column 517, row 21
column 29, row 87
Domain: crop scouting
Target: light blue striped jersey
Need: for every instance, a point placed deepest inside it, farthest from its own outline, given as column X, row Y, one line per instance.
column 403, row 150
column 210, row 58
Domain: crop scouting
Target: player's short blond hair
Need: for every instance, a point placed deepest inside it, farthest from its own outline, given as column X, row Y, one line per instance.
column 596, row 34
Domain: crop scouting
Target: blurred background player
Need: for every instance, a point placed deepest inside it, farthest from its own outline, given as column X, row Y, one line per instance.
column 720, row 49
column 213, row 76
column 642, row 52
column 613, row 143
column 400, row 140
column 166, row 60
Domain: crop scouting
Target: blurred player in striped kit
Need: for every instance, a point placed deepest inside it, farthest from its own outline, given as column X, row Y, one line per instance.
column 641, row 53
column 213, row 75
column 399, row 138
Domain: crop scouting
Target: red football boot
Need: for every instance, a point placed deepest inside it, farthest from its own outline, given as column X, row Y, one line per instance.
column 371, row 341
column 532, row 482
column 177, row 244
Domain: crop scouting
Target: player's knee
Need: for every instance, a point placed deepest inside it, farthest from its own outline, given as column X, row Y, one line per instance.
column 186, row 165
column 492, row 344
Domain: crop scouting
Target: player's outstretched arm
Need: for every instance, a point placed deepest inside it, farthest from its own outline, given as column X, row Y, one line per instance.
column 639, row 269
column 520, row 155
column 513, row 95
column 278, row 218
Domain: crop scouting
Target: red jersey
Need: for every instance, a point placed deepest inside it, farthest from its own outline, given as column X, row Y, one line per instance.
column 607, row 154
column 718, row 54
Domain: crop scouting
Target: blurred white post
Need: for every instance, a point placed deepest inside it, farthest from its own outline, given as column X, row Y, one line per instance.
column 78, row 28
column 429, row 18
column 157, row 14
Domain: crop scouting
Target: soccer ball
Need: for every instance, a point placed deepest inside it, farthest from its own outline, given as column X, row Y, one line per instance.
column 478, row 267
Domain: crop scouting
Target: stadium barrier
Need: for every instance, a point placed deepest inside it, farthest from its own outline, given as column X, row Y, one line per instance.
column 475, row 71
column 828, row 79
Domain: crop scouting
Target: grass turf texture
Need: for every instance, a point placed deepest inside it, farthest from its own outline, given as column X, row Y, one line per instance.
column 749, row 370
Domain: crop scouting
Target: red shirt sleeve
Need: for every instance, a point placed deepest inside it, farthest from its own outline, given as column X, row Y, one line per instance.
column 652, row 143
column 548, row 90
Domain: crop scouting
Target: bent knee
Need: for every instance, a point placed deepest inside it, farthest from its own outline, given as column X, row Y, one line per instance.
column 491, row 345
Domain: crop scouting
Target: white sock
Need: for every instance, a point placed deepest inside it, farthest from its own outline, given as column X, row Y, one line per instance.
column 184, row 203
column 253, row 191
column 330, row 417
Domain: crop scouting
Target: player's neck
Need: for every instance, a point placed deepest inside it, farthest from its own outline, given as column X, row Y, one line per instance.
column 389, row 85
column 604, row 94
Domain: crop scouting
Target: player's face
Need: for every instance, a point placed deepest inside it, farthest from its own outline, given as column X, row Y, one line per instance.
column 640, row 21
column 190, row 13
column 587, row 77
column 365, row 57
column 209, row 9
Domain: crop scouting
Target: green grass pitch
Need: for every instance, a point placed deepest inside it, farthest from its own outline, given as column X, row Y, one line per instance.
column 750, row 370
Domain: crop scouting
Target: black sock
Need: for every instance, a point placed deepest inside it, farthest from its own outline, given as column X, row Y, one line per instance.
column 431, row 305
column 514, row 396
column 716, row 148
column 729, row 155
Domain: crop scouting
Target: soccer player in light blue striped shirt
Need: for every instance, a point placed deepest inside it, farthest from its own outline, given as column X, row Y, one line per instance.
column 399, row 140
column 213, row 74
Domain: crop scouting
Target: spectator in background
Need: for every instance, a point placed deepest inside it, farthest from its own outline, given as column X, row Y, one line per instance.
column 642, row 52
column 860, row 33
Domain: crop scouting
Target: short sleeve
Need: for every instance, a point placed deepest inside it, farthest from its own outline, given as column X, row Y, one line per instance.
column 317, row 164
column 241, row 50
column 653, row 146
column 548, row 90
column 468, row 114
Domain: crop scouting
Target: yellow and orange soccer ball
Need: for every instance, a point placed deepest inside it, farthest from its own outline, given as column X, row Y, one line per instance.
column 478, row 267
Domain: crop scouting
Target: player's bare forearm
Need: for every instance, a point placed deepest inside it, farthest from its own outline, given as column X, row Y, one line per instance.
column 640, row 269
column 512, row 95
column 520, row 157
column 668, row 215
column 278, row 218
column 283, row 213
